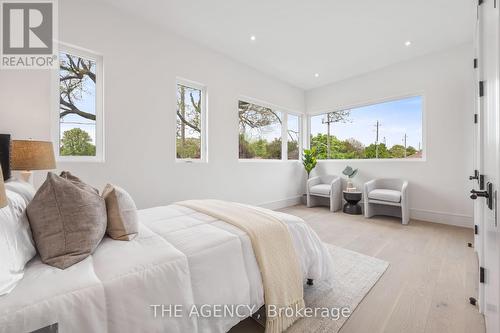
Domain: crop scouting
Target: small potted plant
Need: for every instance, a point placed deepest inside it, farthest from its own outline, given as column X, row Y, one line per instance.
column 350, row 173
column 309, row 160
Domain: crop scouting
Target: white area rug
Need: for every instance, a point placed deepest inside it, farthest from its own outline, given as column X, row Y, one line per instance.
column 355, row 275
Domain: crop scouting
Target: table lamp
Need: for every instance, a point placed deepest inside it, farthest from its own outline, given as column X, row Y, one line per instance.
column 29, row 155
column 3, row 195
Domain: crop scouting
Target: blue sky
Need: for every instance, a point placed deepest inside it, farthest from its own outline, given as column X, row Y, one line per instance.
column 396, row 117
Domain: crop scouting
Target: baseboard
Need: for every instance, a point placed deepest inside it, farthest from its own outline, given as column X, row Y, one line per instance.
column 458, row 220
column 282, row 203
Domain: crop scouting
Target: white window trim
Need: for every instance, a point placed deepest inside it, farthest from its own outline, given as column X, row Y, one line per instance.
column 204, row 123
column 284, row 128
column 368, row 103
column 55, row 121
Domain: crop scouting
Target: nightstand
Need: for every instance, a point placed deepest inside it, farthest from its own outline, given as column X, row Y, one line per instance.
column 352, row 198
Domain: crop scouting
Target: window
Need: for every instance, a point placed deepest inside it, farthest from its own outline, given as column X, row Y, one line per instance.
column 385, row 130
column 293, row 137
column 79, row 118
column 262, row 131
column 190, row 133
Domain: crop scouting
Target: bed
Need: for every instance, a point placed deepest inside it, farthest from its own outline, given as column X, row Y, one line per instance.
column 180, row 258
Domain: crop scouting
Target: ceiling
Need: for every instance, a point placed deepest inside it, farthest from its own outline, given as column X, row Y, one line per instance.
column 294, row 39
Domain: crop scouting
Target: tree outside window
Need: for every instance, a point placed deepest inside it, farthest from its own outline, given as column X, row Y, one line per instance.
column 77, row 106
column 189, row 122
column 260, row 132
column 293, row 137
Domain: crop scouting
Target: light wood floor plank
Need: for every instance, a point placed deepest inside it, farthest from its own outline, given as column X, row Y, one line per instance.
column 432, row 273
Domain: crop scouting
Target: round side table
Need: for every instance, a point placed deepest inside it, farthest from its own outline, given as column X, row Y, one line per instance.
column 352, row 207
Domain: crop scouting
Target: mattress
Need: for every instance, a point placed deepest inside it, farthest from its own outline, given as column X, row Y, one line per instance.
column 176, row 276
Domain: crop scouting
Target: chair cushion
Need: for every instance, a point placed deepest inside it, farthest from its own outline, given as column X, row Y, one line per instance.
column 321, row 189
column 385, row 195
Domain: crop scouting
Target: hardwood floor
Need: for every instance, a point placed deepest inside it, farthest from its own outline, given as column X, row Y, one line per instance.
column 426, row 288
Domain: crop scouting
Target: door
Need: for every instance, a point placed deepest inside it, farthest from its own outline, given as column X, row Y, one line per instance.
column 488, row 160
column 477, row 177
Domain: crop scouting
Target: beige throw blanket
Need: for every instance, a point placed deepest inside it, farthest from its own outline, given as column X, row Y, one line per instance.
column 275, row 253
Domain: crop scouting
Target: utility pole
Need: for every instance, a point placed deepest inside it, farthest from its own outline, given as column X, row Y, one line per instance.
column 328, row 121
column 376, row 139
column 404, row 140
column 384, row 140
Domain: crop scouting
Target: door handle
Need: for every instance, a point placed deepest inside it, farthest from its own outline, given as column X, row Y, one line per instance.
column 476, row 194
column 488, row 194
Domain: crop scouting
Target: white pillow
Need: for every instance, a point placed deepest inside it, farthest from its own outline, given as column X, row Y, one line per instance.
column 8, row 278
column 24, row 189
column 16, row 243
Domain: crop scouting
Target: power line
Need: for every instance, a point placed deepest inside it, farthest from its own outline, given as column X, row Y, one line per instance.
column 76, row 123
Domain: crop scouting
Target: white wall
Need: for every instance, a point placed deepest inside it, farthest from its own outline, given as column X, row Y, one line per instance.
column 141, row 64
column 438, row 186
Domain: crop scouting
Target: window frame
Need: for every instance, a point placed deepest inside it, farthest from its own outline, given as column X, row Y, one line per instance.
column 204, row 123
column 420, row 94
column 99, row 107
column 284, row 128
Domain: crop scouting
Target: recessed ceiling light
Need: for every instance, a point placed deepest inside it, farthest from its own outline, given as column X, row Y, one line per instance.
column 316, row 74
column 252, row 38
column 408, row 43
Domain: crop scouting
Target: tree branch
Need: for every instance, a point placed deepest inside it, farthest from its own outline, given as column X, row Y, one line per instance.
column 71, row 109
column 188, row 123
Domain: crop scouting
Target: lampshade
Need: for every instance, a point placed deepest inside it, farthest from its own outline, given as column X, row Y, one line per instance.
column 32, row 155
column 3, row 195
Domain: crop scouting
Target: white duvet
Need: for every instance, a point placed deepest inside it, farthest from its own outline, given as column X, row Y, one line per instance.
column 181, row 257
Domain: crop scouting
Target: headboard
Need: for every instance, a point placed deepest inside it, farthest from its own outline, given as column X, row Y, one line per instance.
column 5, row 155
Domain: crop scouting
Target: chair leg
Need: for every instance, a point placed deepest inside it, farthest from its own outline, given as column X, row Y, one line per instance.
column 404, row 216
column 308, row 200
column 368, row 210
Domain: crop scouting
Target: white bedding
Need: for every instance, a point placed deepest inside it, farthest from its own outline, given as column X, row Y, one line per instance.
column 179, row 257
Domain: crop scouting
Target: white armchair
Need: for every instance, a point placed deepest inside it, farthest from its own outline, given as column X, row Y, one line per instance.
column 325, row 186
column 387, row 197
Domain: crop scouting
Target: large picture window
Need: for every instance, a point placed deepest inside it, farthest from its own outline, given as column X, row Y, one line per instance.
column 190, row 134
column 80, row 117
column 263, row 130
column 385, row 130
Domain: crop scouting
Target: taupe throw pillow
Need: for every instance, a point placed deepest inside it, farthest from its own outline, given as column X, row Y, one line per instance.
column 77, row 181
column 68, row 220
column 122, row 213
